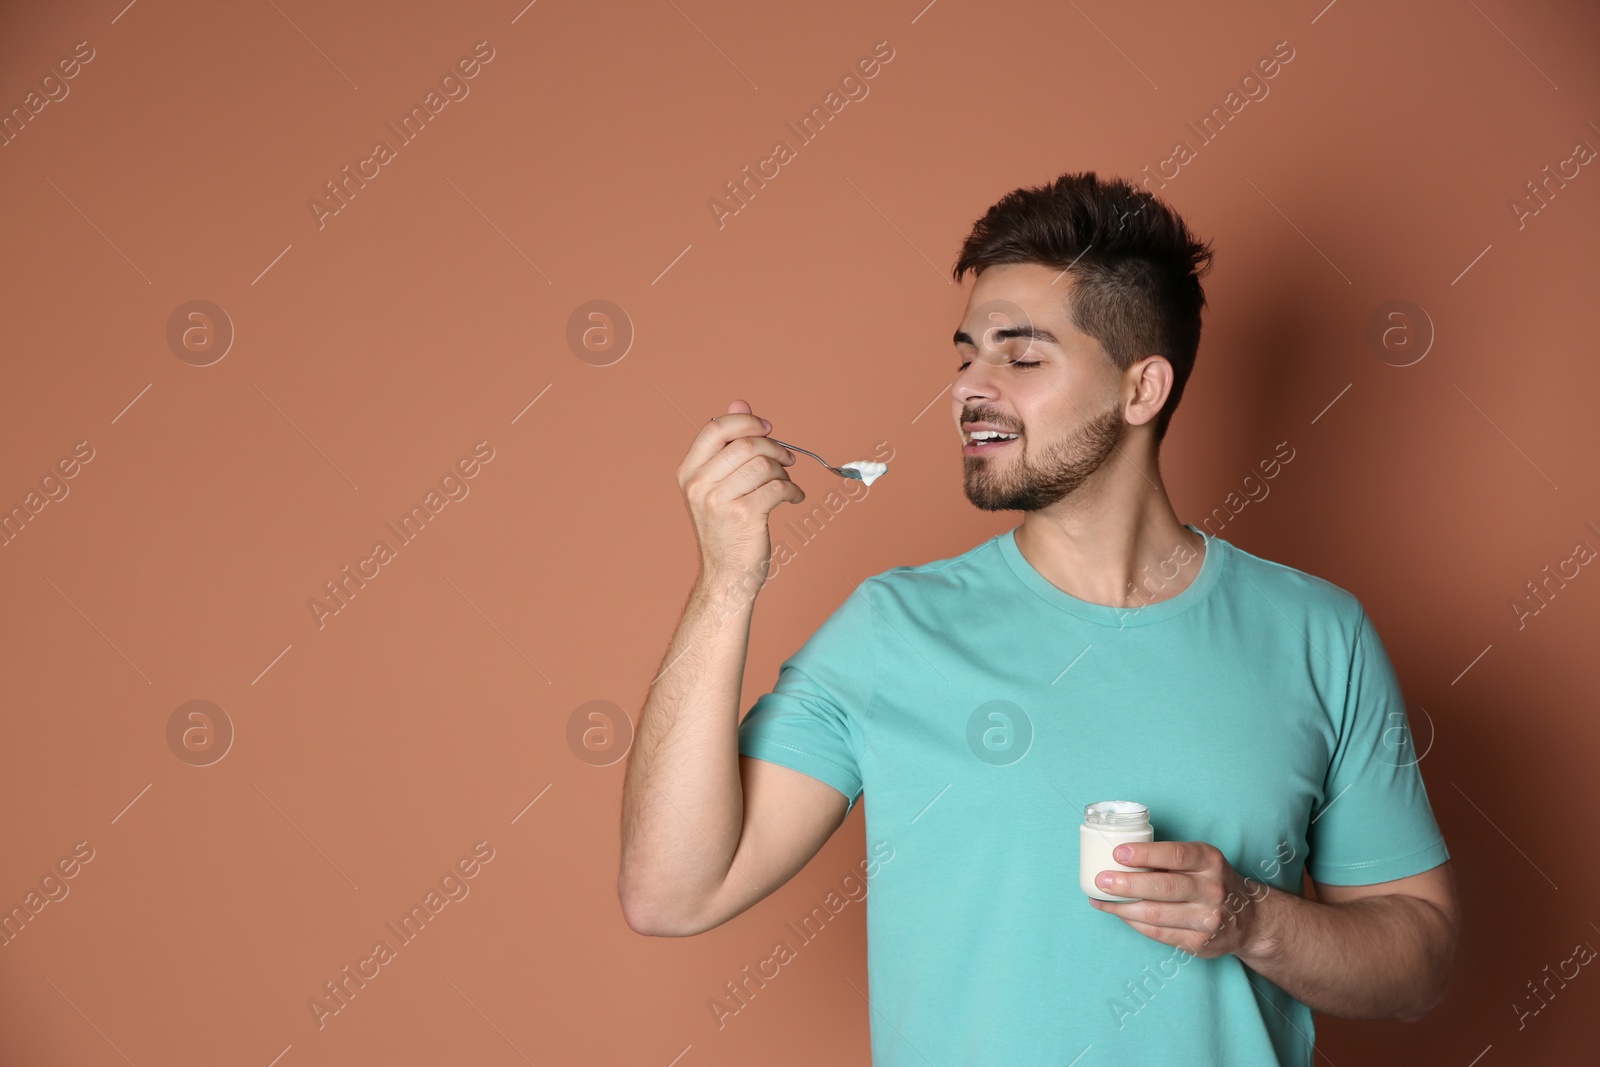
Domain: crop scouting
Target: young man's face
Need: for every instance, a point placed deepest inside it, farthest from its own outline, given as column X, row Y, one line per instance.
column 1066, row 407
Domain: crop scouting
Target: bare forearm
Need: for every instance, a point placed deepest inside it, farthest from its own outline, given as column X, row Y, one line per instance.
column 1382, row 957
column 682, row 801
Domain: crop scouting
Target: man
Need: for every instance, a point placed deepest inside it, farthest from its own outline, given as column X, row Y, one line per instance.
column 1100, row 650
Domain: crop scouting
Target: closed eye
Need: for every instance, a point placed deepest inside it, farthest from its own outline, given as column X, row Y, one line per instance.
column 1013, row 363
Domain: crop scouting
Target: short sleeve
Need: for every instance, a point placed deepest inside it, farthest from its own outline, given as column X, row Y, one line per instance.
column 811, row 718
column 1374, row 823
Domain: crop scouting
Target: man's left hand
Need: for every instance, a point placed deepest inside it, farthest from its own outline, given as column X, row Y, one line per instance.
column 1193, row 899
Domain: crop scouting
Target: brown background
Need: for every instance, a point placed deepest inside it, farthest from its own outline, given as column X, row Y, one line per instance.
column 370, row 355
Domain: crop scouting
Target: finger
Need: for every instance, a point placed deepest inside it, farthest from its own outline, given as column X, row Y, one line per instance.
column 747, row 477
column 1159, row 885
column 741, row 450
column 716, row 434
column 719, row 482
column 771, row 493
column 1165, row 855
column 1164, row 915
column 1164, row 934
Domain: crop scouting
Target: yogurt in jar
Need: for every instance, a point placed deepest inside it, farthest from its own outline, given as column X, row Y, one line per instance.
column 1107, row 824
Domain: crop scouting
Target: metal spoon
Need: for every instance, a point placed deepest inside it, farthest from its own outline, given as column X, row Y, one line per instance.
column 843, row 472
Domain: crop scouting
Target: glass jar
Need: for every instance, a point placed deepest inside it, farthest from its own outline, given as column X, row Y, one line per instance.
column 1107, row 824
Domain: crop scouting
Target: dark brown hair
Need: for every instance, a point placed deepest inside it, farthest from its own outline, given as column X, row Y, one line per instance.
column 1135, row 266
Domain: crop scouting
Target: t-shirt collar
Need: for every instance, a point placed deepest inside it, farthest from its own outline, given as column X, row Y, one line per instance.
column 1137, row 613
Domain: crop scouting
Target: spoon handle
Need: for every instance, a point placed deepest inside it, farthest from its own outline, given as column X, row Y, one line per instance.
column 797, row 448
column 819, row 459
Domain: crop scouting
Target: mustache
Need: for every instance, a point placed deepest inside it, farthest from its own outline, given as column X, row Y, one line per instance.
column 967, row 420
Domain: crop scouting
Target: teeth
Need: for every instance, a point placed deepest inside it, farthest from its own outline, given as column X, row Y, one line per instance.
column 991, row 435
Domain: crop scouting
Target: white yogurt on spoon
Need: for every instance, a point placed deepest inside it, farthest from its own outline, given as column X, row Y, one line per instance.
column 869, row 470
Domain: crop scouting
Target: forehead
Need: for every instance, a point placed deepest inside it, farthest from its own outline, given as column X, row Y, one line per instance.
column 1020, row 292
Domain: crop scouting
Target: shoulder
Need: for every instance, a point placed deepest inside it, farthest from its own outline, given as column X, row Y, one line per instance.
column 1275, row 597
column 935, row 578
column 1290, row 587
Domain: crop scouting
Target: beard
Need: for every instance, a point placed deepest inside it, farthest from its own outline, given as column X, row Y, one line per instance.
column 1016, row 483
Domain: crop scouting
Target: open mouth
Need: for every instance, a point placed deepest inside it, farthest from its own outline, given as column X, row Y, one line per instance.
column 984, row 442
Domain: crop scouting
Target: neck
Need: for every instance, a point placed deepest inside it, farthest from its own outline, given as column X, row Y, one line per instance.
column 1119, row 553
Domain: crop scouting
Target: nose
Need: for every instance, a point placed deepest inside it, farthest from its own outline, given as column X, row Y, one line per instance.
column 976, row 382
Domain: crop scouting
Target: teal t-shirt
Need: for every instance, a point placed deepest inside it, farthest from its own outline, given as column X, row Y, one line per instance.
column 978, row 707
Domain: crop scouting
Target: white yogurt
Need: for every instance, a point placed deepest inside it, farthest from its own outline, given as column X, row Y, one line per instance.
column 1106, row 825
column 870, row 471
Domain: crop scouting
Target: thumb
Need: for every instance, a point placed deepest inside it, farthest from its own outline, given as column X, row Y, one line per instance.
column 739, row 407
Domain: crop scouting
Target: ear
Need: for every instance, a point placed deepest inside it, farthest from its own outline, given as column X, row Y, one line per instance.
column 1146, row 385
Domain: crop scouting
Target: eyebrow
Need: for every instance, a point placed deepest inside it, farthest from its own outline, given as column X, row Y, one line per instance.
column 1001, row 336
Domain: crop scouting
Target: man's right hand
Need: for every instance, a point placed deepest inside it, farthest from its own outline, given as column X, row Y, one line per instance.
column 732, row 478
column 706, row 835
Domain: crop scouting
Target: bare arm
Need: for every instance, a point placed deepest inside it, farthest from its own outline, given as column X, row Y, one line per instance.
column 706, row 833
column 682, row 798
column 1378, row 951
